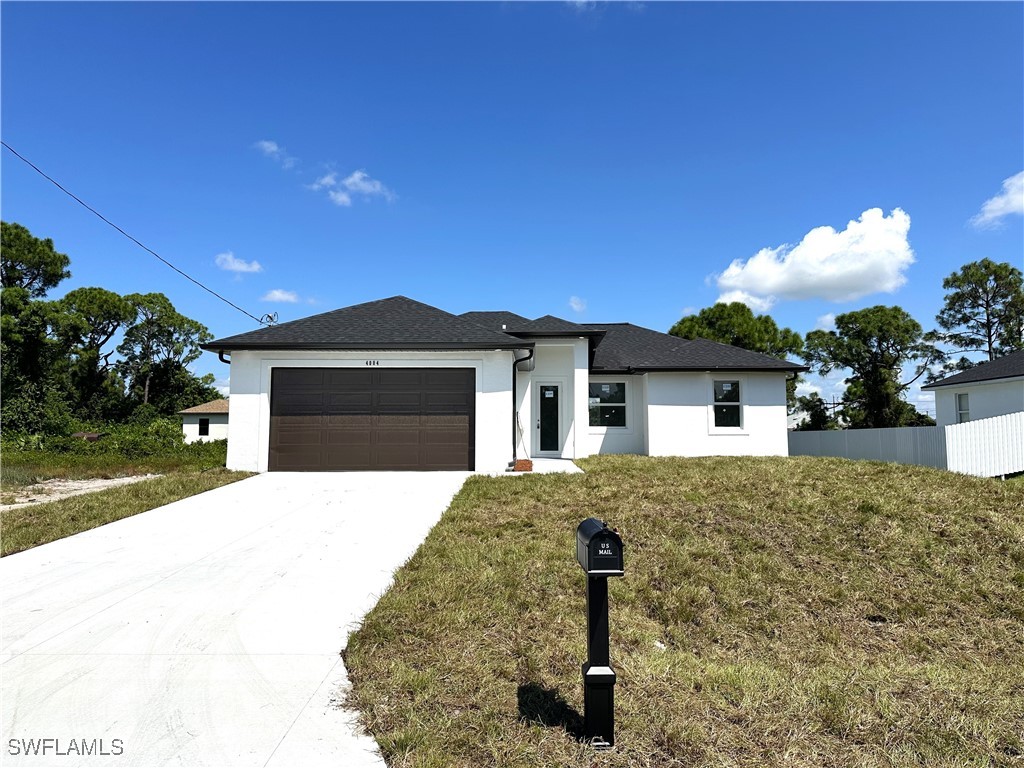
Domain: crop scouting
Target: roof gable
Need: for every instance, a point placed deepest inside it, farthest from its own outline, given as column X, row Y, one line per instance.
column 549, row 324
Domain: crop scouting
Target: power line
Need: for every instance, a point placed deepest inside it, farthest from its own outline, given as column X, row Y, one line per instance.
column 265, row 320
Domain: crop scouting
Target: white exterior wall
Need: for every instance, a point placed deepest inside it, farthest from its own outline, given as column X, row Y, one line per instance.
column 218, row 427
column 628, row 439
column 680, row 416
column 563, row 362
column 985, row 400
column 249, row 404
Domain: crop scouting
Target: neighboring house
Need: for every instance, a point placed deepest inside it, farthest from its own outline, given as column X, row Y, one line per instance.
column 205, row 422
column 993, row 388
column 396, row 384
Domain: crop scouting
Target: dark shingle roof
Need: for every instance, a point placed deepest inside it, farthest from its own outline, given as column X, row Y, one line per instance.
column 630, row 347
column 549, row 324
column 495, row 320
column 395, row 323
column 401, row 323
column 1005, row 367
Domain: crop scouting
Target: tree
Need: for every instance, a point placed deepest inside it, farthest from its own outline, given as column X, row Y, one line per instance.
column 88, row 320
column 983, row 310
column 818, row 416
column 875, row 344
column 736, row 324
column 160, row 337
column 31, row 374
column 28, row 263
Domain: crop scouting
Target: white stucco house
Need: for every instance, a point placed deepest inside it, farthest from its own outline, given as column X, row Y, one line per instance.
column 993, row 388
column 397, row 384
column 205, row 422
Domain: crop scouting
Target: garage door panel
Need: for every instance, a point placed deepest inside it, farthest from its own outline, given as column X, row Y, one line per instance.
column 297, row 438
column 298, row 402
column 460, row 400
column 454, row 378
column 298, row 377
column 349, row 402
column 347, row 378
column 354, row 419
column 353, row 457
column 348, row 437
column 401, row 402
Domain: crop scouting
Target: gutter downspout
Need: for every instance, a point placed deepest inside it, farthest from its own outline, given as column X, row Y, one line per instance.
column 220, row 356
column 515, row 413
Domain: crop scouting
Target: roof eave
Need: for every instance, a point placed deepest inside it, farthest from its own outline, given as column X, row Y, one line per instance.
column 950, row 383
column 699, row 368
column 555, row 334
column 331, row 347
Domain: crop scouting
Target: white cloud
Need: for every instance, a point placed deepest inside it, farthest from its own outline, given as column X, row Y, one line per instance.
column 360, row 183
column 325, row 182
column 826, row 322
column 279, row 295
column 340, row 198
column 276, row 152
column 577, row 304
column 1008, row 202
column 756, row 303
column 227, row 261
column 869, row 256
column 805, row 388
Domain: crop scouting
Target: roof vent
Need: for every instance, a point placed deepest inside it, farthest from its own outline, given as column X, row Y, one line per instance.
column 503, row 326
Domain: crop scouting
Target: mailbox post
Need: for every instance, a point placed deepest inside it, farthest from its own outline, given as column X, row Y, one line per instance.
column 599, row 553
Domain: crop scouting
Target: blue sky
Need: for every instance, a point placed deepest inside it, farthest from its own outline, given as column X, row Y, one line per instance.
column 620, row 162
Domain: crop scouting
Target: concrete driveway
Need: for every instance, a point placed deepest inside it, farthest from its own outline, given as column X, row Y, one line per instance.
column 207, row 632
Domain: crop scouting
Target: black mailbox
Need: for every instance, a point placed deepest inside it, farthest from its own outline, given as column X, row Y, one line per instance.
column 598, row 549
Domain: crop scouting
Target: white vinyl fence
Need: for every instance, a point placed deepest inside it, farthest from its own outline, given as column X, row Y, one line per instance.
column 985, row 448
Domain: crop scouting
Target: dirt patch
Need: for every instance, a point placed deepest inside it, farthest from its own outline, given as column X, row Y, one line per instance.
column 55, row 490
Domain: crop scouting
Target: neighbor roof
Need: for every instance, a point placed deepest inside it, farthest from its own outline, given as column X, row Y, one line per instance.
column 214, row 406
column 1006, row 367
column 394, row 323
column 403, row 324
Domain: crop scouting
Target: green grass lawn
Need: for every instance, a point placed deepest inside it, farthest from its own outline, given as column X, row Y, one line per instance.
column 797, row 612
column 30, row 526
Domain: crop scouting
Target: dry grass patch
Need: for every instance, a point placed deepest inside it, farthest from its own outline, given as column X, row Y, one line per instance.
column 27, row 527
column 798, row 612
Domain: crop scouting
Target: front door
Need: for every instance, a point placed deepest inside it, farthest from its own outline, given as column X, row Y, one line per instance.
column 548, row 421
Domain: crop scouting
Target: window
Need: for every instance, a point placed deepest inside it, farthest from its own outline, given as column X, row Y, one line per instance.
column 204, row 427
column 608, row 404
column 728, row 411
column 963, row 410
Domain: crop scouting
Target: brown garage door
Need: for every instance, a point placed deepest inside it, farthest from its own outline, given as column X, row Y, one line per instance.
column 325, row 419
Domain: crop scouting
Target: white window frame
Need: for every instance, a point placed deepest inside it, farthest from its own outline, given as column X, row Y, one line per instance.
column 628, row 404
column 742, row 382
column 963, row 414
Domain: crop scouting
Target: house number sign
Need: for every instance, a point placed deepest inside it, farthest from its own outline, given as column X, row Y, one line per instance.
column 373, row 362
